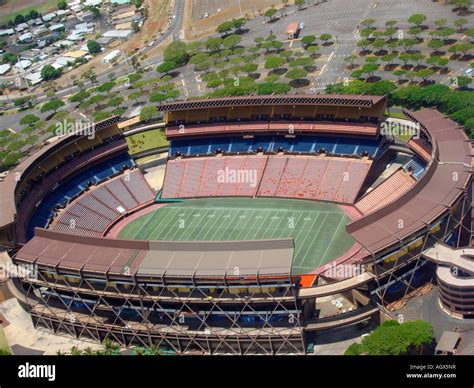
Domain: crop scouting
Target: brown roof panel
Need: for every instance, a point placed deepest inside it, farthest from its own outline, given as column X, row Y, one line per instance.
column 446, row 179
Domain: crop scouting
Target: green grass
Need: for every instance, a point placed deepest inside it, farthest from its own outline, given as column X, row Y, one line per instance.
column 318, row 228
column 4, row 348
column 146, row 141
column 44, row 7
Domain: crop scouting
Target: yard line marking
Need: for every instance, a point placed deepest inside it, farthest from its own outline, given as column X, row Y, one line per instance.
column 316, row 235
column 332, row 238
column 160, row 226
column 211, row 229
column 303, row 240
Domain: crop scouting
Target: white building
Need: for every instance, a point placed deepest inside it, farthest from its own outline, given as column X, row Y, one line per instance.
column 4, row 68
column 21, row 27
column 26, row 37
column 34, row 78
column 8, row 31
column 110, row 56
column 121, row 34
column 56, row 27
column 22, row 65
column 66, row 43
column 49, row 16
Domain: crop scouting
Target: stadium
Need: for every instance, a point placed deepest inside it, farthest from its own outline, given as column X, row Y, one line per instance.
column 279, row 217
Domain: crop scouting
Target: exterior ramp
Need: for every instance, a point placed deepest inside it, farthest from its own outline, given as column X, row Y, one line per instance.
column 342, row 320
column 460, row 258
column 335, row 288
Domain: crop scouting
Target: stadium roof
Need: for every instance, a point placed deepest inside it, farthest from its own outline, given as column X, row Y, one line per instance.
column 310, row 99
column 163, row 259
column 436, row 191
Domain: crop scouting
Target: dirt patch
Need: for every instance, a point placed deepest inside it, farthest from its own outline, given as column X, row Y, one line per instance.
column 196, row 26
column 10, row 8
column 156, row 22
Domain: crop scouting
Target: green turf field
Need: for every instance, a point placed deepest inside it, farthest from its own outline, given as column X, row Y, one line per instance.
column 318, row 228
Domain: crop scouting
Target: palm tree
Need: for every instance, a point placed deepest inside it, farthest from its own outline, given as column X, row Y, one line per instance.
column 109, row 348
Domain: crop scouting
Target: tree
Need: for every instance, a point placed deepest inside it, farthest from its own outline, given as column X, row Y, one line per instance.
column 462, row 4
column 389, row 58
column 437, row 60
column 370, row 69
column 302, row 62
column 273, row 62
column 399, row 73
column 445, row 33
column 391, row 23
column 270, row 13
column 460, row 23
column 239, row 23
column 407, row 43
column 424, row 74
column 231, row 41
column 9, row 58
column 115, row 102
column 157, row 97
column 249, row 68
column 166, row 67
column 79, row 97
column 308, row 39
column 176, row 52
column 351, row 59
column 300, row 4
column 463, row 82
column 465, row 47
column 417, row 58
column 415, row 32
column 325, row 37
column 441, row 22
column 48, row 72
column 436, row 44
column 363, row 44
column 213, row 44
column 296, row 74
column 368, row 22
column 52, row 105
column 106, row 87
column 225, row 27
column 393, row 338
column 29, row 119
column 93, row 47
column 417, row 19
column 62, row 5
column 19, row 19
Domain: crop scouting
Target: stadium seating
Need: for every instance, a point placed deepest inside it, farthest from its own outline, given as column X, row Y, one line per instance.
column 389, row 190
column 416, row 166
column 345, row 146
column 317, row 178
column 308, row 177
column 96, row 209
column 66, row 191
column 206, row 177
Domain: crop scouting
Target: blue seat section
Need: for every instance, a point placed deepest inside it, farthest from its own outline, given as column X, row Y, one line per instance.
column 74, row 186
column 303, row 143
column 417, row 165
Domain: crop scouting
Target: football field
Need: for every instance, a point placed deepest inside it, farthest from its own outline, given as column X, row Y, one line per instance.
column 317, row 228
